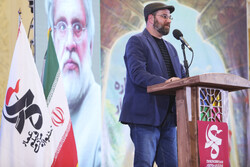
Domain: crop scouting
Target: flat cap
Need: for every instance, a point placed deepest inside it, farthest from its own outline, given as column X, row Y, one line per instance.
column 152, row 7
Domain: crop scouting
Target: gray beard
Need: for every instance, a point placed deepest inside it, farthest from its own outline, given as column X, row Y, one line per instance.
column 160, row 28
column 163, row 31
column 76, row 85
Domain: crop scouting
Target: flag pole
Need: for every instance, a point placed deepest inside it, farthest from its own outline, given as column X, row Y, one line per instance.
column 19, row 17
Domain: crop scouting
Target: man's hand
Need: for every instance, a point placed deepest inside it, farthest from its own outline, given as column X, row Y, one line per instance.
column 172, row 79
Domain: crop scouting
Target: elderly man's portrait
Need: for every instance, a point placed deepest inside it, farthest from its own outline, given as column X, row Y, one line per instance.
column 72, row 24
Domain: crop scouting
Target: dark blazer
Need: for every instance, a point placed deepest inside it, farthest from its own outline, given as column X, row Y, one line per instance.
column 145, row 67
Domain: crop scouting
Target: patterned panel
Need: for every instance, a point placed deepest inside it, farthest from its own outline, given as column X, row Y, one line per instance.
column 210, row 105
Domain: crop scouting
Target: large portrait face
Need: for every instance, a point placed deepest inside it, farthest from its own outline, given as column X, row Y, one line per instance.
column 72, row 45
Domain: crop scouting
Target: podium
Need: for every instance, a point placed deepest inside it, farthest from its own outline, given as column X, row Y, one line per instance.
column 198, row 98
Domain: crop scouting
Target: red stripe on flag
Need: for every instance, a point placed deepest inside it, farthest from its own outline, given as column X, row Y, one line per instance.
column 66, row 154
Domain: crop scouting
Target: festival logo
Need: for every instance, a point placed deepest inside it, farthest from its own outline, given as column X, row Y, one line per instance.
column 22, row 110
column 213, row 143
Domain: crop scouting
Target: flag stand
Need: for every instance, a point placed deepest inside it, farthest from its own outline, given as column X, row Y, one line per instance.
column 19, row 17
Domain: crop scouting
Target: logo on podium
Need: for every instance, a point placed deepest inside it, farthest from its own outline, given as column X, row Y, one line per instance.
column 213, row 144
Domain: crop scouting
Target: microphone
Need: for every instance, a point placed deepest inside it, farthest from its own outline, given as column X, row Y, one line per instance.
column 179, row 36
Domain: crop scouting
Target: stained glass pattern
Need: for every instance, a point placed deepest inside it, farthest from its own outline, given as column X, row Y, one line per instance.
column 210, row 105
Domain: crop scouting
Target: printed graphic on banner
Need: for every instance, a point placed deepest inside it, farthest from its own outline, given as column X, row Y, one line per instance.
column 27, row 137
column 213, row 144
column 22, row 109
column 25, row 111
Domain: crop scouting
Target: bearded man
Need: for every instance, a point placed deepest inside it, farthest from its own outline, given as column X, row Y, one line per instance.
column 151, row 118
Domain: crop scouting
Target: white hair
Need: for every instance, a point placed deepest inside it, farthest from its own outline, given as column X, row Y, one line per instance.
column 49, row 7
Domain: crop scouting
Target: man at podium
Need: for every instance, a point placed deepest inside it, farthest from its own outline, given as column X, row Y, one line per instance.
column 151, row 60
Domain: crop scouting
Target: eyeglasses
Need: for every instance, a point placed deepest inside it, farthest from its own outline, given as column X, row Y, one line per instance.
column 62, row 31
column 164, row 16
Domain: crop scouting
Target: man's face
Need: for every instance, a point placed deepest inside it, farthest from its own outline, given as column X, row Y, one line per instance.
column 161, row 24
column 72, row 47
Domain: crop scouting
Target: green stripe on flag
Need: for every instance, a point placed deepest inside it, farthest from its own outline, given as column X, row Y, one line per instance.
column 51, row 70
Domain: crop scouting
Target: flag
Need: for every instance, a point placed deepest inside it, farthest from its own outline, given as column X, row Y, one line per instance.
column 66, row 154
column 26, row 134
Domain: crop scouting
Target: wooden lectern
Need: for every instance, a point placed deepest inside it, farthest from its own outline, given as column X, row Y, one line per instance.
column 203, row 97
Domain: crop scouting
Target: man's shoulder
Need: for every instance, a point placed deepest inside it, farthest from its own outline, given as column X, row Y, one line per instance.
column 144, row 33
column 138, row 38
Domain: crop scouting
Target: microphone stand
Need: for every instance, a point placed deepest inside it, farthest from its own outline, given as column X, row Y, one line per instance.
column 185, row 60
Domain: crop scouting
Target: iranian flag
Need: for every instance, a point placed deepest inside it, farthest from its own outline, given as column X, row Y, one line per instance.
column 27, row 132
column 66, row 154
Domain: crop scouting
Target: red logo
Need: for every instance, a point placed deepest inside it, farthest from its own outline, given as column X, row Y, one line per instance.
column 57, row 116
column 213, row 143
column 10, row 91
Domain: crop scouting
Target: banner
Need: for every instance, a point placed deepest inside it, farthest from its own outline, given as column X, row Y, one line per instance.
column 26, row 127
column 66, row 154
column 213, row 144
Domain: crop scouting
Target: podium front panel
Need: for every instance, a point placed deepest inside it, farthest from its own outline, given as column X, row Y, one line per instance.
column 213, row 104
